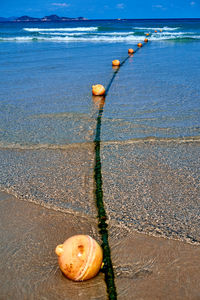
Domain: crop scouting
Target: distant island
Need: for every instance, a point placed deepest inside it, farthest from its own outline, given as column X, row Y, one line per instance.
column 51, row 18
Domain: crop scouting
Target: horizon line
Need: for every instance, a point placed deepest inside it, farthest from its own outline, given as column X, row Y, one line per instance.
column 119, row 19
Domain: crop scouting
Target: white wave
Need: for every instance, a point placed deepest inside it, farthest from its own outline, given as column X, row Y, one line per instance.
column 157, row 28
column 77, row 39
column 17, row 38
column 177, row 33
column 97, row 38
column 61, row 29
column 173, row 36
column 85, row 33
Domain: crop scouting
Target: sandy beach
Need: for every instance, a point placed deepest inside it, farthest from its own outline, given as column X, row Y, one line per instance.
column 161, row 266
column 145, row 267
column 132, row 158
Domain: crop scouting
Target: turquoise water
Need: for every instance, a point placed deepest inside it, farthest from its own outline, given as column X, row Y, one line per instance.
column 47, row 71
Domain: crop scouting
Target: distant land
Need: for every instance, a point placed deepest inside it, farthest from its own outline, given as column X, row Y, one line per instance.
column 51, row 18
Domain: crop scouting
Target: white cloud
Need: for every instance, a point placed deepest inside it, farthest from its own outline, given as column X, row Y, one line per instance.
column 60, row 4
column 120, row 5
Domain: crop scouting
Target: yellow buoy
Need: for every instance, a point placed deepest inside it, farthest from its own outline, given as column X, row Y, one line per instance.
column 80, row 257
column 130, row 51
column 139, row 45
column 116, row 63
column 98, row 90
column 160, row 30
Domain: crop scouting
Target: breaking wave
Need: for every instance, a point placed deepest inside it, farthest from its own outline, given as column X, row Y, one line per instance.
column 157, row 28
column 101, row 34
column 118, row 38
column 61, row 29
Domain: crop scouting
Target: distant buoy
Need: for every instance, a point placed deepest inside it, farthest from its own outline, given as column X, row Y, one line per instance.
column 139, row 45
column 130, row 51
column 147, row 34
column 116, row 63
column 80, row 257
column 155, row 31
column 98, row 90
column 146, row 40
column 160, row 30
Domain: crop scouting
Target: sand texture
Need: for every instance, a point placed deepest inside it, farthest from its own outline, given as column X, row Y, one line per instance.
column 145, row 267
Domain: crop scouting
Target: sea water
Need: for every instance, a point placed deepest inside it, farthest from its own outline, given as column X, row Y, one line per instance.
column 149, row 127
column 47, row 70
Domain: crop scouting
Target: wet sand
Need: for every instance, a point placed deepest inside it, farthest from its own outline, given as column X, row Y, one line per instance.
column 146, row 267
column 151, row 196
column 149, row 186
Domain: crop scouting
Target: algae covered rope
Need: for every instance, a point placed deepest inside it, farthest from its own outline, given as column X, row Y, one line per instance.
column 102, row 217
column 108, row 267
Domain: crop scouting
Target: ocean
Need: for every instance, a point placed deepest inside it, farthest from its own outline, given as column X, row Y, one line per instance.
column 48, row 117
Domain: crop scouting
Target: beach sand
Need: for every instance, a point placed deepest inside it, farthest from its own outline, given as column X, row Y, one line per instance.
column 145, row 267
column 151, row 196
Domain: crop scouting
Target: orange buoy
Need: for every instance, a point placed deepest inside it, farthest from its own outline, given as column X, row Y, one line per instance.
column 139, row 45
column 146, row 40
column 147, row 34
column 155, row 31
column 116, row 63
column 98, row 90
column 80, row 257
column 130, row 51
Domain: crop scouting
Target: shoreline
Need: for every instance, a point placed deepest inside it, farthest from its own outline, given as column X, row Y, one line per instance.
column 148, row 187
column 145, row 267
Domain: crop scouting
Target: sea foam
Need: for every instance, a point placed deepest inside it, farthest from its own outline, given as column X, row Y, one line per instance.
column 61, row 29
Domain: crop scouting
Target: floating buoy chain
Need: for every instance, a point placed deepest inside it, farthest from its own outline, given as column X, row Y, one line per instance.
column 107, row 267
column 99, row 90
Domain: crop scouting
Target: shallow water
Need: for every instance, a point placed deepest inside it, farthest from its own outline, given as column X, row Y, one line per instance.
column 46, row 86
column 48, row 120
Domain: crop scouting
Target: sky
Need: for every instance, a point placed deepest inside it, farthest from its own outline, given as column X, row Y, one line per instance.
column 101, row 9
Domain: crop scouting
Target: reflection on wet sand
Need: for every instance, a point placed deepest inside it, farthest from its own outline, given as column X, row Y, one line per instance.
column 98, row 101
column 145, row 267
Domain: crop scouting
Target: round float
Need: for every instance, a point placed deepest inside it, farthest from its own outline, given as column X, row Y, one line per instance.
column 80, row 257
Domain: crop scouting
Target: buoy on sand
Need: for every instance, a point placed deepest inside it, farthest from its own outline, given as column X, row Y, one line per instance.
column 139, row 45
column 146, row 40
column 116, row 63
column 98, row 90
column 80, row 257
column 130, row 51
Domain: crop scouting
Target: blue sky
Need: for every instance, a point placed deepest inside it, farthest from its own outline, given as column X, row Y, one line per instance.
column 96, row 9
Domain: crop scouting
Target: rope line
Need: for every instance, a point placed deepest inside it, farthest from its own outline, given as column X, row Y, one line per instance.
column 102, row 217
column 116, row 71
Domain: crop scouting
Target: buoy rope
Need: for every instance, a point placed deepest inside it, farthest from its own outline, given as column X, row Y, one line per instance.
column 108, row 267
column 116, row 71
column 102, row 217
